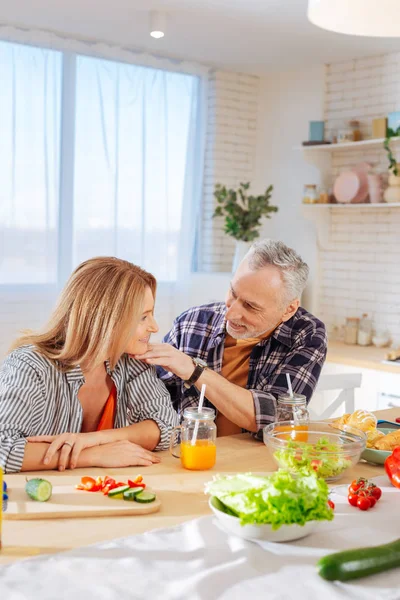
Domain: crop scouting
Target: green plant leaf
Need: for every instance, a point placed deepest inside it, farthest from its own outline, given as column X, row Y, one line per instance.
column 243, row 218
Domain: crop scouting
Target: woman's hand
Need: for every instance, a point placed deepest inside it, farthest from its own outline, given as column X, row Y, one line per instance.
column 70, row 446
column 121, row 454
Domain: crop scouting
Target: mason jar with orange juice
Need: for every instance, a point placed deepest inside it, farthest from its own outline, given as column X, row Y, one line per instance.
column 293, row 408
column 198, row 433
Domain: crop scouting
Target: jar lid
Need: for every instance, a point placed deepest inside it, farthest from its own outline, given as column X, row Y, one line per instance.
column 205, row 414
column 295, row 399
column 310, row 185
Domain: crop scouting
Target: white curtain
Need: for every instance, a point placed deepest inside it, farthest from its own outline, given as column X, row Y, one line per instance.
column 133, row 136
column 101, row 152
column 30, row 87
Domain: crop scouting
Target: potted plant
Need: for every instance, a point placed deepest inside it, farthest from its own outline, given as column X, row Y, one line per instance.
column 392, row 192
column 243, row 214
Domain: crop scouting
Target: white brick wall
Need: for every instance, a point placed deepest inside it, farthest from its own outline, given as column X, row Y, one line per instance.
column 230, row 157
column 361, row 273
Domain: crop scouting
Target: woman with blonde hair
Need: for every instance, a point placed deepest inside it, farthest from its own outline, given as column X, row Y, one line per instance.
column 73, row 396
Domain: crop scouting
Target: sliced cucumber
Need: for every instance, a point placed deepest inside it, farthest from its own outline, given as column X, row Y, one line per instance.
column 118, row 492
column 145, row 497
column 39, row 489
column 132, row 492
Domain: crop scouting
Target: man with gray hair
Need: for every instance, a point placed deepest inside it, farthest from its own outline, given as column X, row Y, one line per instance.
column 242, row 349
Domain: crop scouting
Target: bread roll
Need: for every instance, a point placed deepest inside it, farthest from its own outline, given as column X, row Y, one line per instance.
column 389, row 441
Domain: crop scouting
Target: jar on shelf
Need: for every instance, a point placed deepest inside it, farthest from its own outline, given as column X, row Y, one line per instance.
column 292, row 408
column 351, row 330
column 364, row 336
column 310, row 195
column 355, row 128
column 323, row 195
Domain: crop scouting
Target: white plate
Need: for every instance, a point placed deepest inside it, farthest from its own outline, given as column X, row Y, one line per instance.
column 285, row 533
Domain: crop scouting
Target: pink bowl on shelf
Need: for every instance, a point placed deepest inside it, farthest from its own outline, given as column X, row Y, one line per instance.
column 352, row 186
column 346, row 187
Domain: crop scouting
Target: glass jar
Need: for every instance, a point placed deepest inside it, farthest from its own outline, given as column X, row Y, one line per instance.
column 351, row 330
column 323, row 195
column 310, row 194
column 355, row 128
column 198, row 433
column 364, row 336
column 292, row 408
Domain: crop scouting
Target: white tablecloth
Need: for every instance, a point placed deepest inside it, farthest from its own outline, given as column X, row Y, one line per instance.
column 198, row 560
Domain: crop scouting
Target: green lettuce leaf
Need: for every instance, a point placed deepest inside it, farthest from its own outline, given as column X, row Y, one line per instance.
column 278, row 499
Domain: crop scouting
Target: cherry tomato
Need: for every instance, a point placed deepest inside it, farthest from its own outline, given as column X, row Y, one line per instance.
column 372, row 500
column 353, row 498
column 363, row 503
column 331, row 504
column 356, row 485
column 376, row 492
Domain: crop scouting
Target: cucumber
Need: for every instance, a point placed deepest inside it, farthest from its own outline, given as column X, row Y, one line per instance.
column 145, row 497
column 132, row 492
column 118, row 492
column 360, row 562
column 39, row 489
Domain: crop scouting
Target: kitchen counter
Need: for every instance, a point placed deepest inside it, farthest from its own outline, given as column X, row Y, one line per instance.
column 364, row 357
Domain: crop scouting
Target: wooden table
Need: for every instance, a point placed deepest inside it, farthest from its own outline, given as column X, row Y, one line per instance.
column 180, row 492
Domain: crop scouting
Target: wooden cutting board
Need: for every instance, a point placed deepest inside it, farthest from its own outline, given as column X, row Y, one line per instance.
column 66, row 502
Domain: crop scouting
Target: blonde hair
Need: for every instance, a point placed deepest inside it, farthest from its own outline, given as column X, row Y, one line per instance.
column 96, row 314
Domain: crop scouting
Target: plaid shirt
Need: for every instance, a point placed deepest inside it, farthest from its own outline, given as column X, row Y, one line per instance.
column 297, row 347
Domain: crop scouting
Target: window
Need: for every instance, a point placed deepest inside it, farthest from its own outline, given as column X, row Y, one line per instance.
column 29, row 158
column 93, row 163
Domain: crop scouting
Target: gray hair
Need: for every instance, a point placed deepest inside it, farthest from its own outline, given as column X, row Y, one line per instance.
column 294, row 271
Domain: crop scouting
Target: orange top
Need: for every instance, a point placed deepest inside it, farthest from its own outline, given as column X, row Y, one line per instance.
column 107, row 418
column 235, row 368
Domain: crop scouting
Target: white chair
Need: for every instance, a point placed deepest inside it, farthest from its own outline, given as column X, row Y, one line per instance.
column 346, row 383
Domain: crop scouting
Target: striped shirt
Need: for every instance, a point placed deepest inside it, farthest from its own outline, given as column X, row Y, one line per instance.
column 297, row 347
column 36, row 398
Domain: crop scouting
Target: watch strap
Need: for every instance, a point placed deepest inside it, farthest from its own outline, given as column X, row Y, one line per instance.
column 198, row 370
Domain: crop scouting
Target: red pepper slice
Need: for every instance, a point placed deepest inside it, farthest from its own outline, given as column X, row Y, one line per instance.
column 392, row 467
column 133, row 484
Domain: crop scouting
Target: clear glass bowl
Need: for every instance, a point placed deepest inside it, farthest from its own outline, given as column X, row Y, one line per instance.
column 316, row 444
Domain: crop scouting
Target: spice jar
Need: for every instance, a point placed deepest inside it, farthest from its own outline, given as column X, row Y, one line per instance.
column 310, row 194
column 351, row 330
column 323, row 196
column 292, row 408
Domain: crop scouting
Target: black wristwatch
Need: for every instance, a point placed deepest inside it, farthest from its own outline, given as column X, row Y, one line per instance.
column 199, row 366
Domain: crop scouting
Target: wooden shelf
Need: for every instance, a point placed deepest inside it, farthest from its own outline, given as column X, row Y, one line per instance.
column 376, row 206
column 345, row 145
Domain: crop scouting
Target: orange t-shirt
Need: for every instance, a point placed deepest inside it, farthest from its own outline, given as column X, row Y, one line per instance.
column 108, row 416
column 235, row 368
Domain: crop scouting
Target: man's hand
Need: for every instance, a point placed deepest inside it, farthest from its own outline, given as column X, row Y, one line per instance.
column 169, row 358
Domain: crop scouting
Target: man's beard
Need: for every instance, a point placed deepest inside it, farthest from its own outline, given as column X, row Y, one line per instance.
column 247, row 333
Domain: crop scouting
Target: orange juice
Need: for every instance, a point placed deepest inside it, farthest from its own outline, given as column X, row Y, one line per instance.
column 297, row 432
column 200, row 456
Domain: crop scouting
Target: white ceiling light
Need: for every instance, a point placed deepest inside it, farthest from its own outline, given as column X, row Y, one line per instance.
column 157, row 24
column 375, row 18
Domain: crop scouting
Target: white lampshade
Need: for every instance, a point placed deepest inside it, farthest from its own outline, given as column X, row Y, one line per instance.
column 375, row 18
column 157, row 24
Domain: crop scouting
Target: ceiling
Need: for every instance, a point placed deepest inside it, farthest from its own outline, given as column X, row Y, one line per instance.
column 256, row 36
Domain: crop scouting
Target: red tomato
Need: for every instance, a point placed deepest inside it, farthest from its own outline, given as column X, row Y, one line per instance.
column 331, row 504
column 356, row 485
column 376, row 492
column 315, row 464
column 372, row 500
column 363, row 503
column 353, row 498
